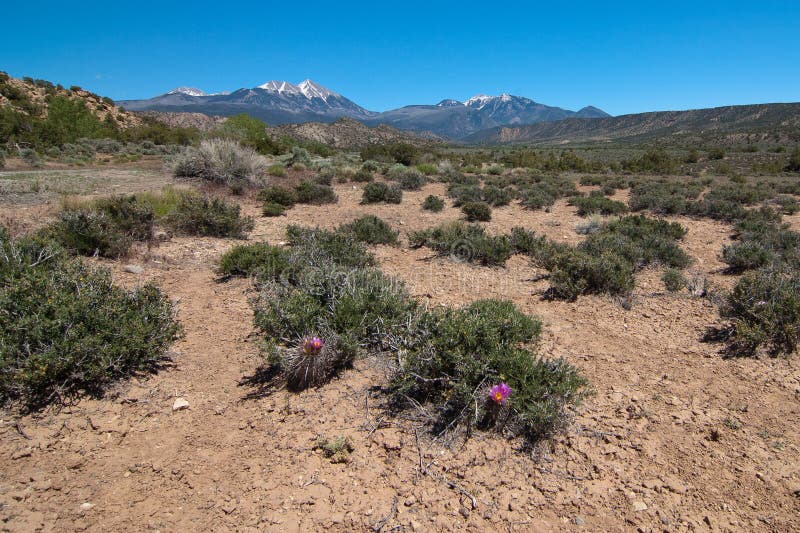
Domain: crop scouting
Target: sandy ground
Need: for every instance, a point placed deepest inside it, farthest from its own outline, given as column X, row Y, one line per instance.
column 674, row 437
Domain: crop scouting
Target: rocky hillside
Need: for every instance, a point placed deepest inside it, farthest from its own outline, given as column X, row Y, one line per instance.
column 779, row 119
column 348, row 133
column 198, row 121
column 32, row 97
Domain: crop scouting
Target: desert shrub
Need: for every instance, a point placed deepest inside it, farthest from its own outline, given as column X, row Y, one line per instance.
column 403, row 153
column 2, row 159
column 319, row 247
column 496, row 196
column 279, row 171
column 133, row 215
column 593, row 224
column 477, row 211
column 371, row 230
column 537, row 197
column 588, row 205
column 221, row 161
column 653, row 161
column 88, row 232
column 639, row 240
column 338, row 449
column 495, row 170
column 299, row 157
column 787, row 204
column 716, row 153
column 463, row 353
column 30, row 157
column 67, row 330
column 412, row 180
column 428, row 169
column 307, row 366
column 381, row 192
column 271, row 209
column 325, row 176
column 363, row 175
column 764, row 310
column 673, row 280
column 462, row 194
column 577, row 272
column 256, row 259
column 464, row 242
column 433, row 203
column 663, row 198
column 315, row 194
column 793, row 165
column 162, row 202
column 208, row 217
column 762, row 243
column 371, row 166
column 277, row 194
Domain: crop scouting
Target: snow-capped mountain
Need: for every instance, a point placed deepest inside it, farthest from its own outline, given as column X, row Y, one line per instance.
column 188, row 91
column 282, row 102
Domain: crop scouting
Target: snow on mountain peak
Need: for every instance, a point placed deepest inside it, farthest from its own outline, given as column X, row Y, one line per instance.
column 189, row 91
column 308, row 88
column 479, row 100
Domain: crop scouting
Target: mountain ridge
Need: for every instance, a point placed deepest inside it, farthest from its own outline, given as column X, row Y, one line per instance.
column 280, row 102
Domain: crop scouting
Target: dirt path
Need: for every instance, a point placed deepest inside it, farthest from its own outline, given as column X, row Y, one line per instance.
column 674, row 438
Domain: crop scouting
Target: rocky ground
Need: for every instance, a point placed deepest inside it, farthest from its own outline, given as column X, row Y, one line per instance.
column 674, row 437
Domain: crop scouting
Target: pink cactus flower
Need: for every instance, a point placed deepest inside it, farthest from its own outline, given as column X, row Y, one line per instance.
column 313, row 345
column 500, row 393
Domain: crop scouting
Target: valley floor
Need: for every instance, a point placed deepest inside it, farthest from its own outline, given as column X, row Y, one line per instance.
column 674, row 437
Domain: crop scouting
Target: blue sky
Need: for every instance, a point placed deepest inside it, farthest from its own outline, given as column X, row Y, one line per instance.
column 624, row 57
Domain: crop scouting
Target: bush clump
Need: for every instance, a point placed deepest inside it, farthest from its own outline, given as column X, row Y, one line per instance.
column 257, row 259
column 273, row 210
column 464, row 242
column 277, row 194
column 380, row 192
column 461, row 355
column 371, row 230
column 433, row 203
column 208, row 217
column 764, row 309
column 312, row 193
column 221, row 161
column 477, row 211
column 673, row 280
column 67, row 330
column 597, row 204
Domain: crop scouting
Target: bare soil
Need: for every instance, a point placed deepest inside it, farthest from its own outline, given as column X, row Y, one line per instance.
column 674, row 437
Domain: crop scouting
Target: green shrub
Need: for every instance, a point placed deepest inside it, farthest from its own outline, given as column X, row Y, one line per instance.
column 793, row 165
column 363, row 176
column 495, row 170
column 271, row 209
column 464, row 242
column 663, row 198
column 477, row 211
column 89, row 232
column 576, row 273
column 131, row 214
column 716, row 153
column 380, row 192
column 412, row 180
column 788, row 204
column 428, row 169
column 256, row 259
column 277, row 194
column 278, row 171
column 67, row 330
column 762, row 243
column 319, row 248
column 371, row 230
column 208, row 217
column 495, row 196
column 588, row 205
column 652, row 161
column 764, row 309
column 673, row 279
column 315, row 194
column 462, row 353
column 462, row 194
column 433, row 203
column 639, row 240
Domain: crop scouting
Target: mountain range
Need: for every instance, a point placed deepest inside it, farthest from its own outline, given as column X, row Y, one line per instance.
column 280, row 102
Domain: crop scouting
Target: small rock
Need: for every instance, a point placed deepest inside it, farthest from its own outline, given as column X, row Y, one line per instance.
column 179, row 404
column 411, row 500
column 579, row 521
column 86, row 506
column 639, row 506
column 133, row 269
column 19, row 454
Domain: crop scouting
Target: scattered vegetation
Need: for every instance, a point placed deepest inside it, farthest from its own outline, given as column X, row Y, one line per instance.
column 208, row 217
column 222, row 161
column 433, row 203
column 380, row 192
column 464, row 242
column 477, row 211
column 371, row 230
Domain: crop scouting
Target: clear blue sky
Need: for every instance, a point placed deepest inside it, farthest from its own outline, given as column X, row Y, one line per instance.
column 624, row 57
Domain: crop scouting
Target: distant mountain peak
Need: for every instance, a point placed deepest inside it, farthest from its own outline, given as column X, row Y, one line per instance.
column 449, row 102
column 479, row 100
column 189, row 91
column 308, row 88
column 280, row 87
